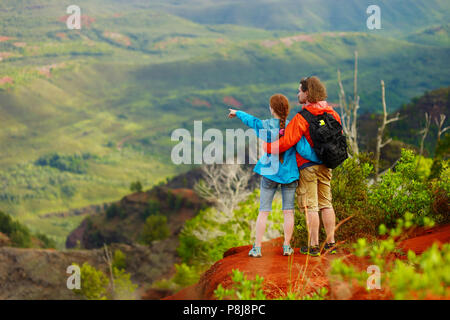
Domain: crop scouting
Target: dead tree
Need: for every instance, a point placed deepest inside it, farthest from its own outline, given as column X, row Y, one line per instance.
column 224, row 185
column 386, row 121
column 439, row 124
column 108, row 260
column 424, row 133
column 349, row 110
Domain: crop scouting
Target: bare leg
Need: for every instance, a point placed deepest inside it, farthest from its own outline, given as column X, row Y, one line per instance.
column 261, row 226
column 329, row 222
column 288, row 225
column 313, row 227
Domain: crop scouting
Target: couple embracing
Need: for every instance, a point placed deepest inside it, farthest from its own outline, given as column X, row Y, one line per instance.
column 309, row 147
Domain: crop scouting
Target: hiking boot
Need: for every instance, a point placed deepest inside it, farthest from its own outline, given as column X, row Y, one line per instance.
column 287, row 250
column 255, row 252
column 312, row 251
column 330, row 247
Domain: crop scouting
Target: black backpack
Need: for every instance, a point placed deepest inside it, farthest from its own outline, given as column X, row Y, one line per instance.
column 330, row 144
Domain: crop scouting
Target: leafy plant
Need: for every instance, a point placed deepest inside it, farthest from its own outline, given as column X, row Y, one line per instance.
column 155, row 228
column 417, row 277
column 94, row 283
column 136, row 186
column 115, row 210
column 401, row 191
column 242, row 288
column 119, row 260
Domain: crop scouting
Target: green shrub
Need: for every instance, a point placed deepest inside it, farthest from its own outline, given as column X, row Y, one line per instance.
column 119, row 260
column 401, row 191
column 441, row 194
column 136, row 186
column 115, row 210
column 71, row 163
column 417, row 277
column 46, row 241
column 185, row 275
column 94, row 283
column 19, row 234
column 155, row 228
column 124, row 288
column 349, row 187
column 242, row 288
column 153, row 208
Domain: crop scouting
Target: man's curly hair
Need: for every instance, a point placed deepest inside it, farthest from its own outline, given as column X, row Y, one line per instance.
column 316, row 89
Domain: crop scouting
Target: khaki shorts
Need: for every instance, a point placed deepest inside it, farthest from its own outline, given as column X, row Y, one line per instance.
column 314, row 188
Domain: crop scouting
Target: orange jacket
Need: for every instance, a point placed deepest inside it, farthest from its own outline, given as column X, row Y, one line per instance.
column 298, row 127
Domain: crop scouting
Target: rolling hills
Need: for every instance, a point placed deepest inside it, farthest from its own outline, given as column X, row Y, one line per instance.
column 112, row 92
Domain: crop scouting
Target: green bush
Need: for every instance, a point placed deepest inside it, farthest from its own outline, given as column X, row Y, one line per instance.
column 124, row 288
column 153, row 208
column 401, row 190
column 185, row 275
column 155, row 228
column 119, row 260
column 136, row 186
column 19, row 234
column 94, row 283
column 71, row 163
column 115, row 210
column 441, row 194
column 46, row 241
column 416, row 277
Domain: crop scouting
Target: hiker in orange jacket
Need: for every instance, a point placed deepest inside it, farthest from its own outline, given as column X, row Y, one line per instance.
column 313, row 191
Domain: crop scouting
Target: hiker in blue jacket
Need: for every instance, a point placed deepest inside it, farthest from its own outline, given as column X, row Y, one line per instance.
column 285, row 173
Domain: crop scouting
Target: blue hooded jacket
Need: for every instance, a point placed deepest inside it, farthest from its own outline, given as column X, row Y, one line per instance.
column 287, row 171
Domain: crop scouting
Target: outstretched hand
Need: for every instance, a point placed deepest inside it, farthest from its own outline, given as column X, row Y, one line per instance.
column 232, row 113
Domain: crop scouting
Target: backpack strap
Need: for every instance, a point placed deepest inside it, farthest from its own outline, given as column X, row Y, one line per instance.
column 309, row 117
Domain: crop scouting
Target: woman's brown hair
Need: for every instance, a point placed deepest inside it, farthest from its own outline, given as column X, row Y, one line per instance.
column 280, row 105
column 316, row 90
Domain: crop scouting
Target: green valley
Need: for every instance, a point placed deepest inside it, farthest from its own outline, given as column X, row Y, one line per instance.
column 106, row 98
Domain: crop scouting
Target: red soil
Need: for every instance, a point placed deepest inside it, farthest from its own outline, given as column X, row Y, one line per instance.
column 196, row 102
column 274, row 268
column 232, row 102
column 6, row 80
column 3, row 38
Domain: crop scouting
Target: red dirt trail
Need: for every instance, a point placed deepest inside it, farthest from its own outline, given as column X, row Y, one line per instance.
column 274, row 268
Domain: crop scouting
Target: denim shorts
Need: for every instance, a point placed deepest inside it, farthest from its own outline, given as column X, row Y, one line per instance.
column 268, row 189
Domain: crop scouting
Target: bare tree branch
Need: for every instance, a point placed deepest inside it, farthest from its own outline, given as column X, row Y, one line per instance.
column 386, row 121
column 224, row 185
column 424, row 133
column 349, row 111
column 439, row 124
